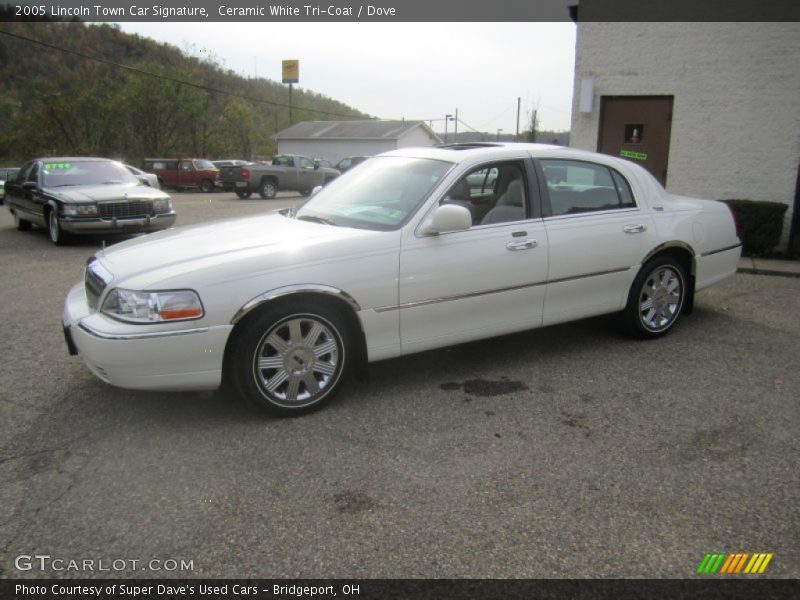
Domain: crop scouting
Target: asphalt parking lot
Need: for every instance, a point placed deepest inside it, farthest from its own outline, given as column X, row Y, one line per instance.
column 570, row 451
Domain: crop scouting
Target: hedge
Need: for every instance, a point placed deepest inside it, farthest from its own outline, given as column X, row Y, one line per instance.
column 760, row 224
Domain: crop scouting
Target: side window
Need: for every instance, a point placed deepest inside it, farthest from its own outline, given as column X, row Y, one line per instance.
column 186, row 165
column 492, row 194
column 22, row 176
column 33, row 174
column 345, row 163
column 579, row 187
column 305, row 163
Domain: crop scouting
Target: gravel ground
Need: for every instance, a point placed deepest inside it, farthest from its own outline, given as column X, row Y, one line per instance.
column 570, row 451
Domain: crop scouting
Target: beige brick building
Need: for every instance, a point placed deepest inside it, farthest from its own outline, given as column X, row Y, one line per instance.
column 713, row 109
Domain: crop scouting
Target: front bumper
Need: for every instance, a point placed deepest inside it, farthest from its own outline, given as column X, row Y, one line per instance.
column 127, row 225
column 144, row 357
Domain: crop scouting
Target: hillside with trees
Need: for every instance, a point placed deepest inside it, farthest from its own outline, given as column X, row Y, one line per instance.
column 92, row 90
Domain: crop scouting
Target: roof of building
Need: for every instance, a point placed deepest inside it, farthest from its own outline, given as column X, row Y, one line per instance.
column 353, row 130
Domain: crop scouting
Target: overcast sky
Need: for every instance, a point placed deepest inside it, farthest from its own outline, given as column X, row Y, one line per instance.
column 404, row 70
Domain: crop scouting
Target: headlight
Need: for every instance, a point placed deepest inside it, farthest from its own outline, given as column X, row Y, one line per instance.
column 79, row 210
column 152, row 307
column 162, row 205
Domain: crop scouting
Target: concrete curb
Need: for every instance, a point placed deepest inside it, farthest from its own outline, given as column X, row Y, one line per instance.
column 776, row 268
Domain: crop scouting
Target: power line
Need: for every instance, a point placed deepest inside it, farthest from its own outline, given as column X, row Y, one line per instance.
column 171, row 79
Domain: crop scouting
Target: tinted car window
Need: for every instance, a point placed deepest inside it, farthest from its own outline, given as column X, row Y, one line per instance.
column 580, row 187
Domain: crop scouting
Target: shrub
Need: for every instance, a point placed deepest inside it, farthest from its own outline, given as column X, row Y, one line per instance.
column 760, row 224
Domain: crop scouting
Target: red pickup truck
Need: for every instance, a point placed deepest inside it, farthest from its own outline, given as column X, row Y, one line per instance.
column 180, row 173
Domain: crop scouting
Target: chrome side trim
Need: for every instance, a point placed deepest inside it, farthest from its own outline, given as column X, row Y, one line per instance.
column 291, row 290
column 138, row 336
column 512, row 288
column 574, row 277
column 672, row 244
column 739, row 245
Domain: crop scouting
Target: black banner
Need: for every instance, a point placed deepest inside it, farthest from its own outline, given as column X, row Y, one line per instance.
column 399, row 10
column 399, row 589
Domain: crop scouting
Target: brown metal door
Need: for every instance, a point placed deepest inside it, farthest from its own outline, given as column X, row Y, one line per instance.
column 637, row 128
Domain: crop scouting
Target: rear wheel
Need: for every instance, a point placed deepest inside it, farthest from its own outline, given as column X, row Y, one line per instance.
column 268, row 189
column 243, row 194
column 207, row 186
column 290, row 359
column 21, row 224
column 656, row 298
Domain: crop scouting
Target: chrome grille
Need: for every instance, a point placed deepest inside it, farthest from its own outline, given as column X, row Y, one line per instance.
column 124, row 210
column 95, row 280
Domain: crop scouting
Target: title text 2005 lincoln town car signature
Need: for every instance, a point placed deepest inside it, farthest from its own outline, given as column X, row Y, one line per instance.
column 411, row 250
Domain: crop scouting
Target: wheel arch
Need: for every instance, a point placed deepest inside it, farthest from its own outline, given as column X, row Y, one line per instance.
column 686, row 256
column 331, row 296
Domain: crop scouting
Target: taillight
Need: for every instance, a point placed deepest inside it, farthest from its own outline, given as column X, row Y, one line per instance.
column 735, row 220
column 246, row 174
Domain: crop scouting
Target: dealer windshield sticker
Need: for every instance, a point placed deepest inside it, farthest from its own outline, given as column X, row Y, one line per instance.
column 632, row 154
column 57, row 166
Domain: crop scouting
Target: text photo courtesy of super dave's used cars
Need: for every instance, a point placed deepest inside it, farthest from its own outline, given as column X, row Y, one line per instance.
column 409, row 251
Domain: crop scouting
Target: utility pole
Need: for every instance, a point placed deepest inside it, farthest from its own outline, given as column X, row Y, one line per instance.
column 455, row 133
column 518, row 101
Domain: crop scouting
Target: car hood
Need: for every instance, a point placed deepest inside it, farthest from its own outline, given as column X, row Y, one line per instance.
column 232, row 248
column 104, row 193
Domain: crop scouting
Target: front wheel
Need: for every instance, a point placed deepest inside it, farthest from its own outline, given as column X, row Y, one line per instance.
column 207, row 186
column 57, row 235
column 243, row 194
column 656, row 298
column 291, row 359
column 268, row 189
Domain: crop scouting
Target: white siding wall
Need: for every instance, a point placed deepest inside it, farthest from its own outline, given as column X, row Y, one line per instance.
column 736, row 88
column 415, row 137
column 335, row 150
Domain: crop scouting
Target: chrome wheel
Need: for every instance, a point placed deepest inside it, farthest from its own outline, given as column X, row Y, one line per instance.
column 54, row 228
column 298, row 361
column 268, row 190
column 661, row 298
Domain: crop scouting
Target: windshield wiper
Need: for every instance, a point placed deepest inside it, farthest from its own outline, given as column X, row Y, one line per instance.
column 316, row 219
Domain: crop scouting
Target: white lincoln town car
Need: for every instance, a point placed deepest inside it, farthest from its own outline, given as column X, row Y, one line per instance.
column 414, row 249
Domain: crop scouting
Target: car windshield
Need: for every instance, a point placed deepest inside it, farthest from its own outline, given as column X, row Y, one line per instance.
column 65, row 173
column 381, row 195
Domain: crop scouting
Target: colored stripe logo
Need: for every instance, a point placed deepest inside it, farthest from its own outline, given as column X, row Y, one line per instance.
column 734, row 563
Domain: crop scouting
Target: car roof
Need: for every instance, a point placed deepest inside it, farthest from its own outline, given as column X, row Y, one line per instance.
column 73, row 159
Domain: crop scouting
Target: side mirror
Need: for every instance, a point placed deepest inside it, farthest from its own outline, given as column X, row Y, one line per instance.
column 316, row 190
column 29, row 185
column 316, row 165
column 447, row 217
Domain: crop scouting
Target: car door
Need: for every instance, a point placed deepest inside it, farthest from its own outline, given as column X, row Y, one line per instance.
column 186, row 175
column 307, row 176
column 487, row 280
column 597, row 233
column 26, row 192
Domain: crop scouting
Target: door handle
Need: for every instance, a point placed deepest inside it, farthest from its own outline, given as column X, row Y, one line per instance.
column 634, row 228
column 522, row 245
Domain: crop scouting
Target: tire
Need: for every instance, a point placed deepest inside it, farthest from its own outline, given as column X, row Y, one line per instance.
column 268, row 189
column 57, row 235
column 290, row 359
column 21, row 224
column 207, row 186
column 656, row 298
column 244, row 194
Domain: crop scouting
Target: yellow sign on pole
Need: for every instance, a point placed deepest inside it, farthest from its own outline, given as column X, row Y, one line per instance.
column 291, row 71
